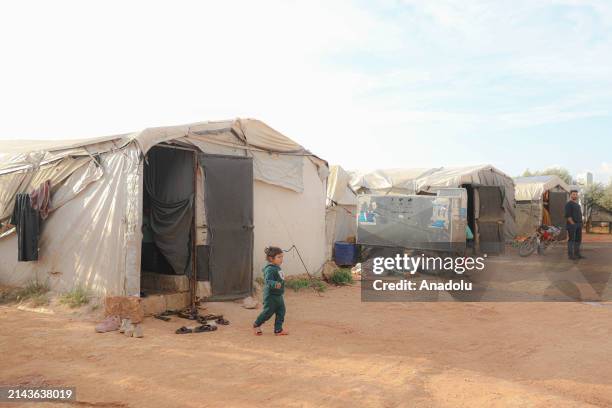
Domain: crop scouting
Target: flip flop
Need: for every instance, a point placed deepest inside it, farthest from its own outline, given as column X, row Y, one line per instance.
column 162, row 317
column 222, row 321
column 204, row 328
column 258, row 331
column 281, row 333
column 211, row 317
column 187, row 315
column 183, row 330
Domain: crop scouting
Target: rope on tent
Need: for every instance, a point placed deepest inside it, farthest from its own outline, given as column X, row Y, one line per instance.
column 304, row 265
column 293, row 246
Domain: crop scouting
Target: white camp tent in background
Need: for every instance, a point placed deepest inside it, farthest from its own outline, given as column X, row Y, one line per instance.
column 540, row 200
column 92, row 237
column 340, row 215
column 490, row 193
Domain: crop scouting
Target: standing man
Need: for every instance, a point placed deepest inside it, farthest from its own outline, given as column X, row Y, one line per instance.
column 573, row 217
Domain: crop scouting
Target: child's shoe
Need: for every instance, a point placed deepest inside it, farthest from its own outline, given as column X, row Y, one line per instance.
column 258, row 331
column 281, row 333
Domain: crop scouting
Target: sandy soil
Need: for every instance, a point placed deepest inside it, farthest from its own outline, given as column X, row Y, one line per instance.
column 341, row 352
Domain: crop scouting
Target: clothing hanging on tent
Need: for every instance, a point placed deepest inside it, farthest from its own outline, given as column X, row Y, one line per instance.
column 27, row 222
column 40, row 199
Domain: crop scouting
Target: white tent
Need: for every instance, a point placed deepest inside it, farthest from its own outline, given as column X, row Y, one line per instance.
column 340, row 216
column 532, row 188
column 536, row 196
column 92, row 237
column 429, row 180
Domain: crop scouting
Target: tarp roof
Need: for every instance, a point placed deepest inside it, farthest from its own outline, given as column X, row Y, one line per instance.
column 338, row 187
column 532, row 188
column 426, row 179
column 420, row 180
column 251, row 133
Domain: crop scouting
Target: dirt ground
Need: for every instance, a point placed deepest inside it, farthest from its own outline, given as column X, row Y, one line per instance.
column 341, row 352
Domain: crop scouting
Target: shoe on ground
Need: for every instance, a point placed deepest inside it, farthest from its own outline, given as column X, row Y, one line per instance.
column 257, row 331
column 124, row 324
column 111, row 323
column 129, row 329
column 281, row 333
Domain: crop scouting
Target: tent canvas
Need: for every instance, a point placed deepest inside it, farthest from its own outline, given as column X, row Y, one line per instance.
column 93, row 236
column 535, row 195
column 341, row 211
column 430, row 180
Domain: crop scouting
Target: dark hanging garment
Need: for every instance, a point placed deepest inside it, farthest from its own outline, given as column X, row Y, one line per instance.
column 27, row 222
column 168, row 180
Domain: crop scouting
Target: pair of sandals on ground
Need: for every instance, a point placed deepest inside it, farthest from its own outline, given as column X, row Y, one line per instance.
column 205, row 327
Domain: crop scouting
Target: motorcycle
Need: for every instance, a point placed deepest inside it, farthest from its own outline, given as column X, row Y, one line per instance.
column 540, row 240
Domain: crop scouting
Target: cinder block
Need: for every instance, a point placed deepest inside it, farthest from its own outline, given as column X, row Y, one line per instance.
column 153, row 304
column 177, row 300
column 127, row 307
column 149, row 280
column 173, row 283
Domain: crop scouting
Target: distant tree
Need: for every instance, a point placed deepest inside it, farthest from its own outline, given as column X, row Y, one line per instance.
column 598, row 194
column 563, row 173
column 527, row 173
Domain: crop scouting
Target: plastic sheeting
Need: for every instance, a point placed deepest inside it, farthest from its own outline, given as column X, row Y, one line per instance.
column 339, row 190
column 94, row 237
column 341, row 212
column 533, row 188
column 415, row 181
column 25, row 181
column 234, row 137
column 90, row 240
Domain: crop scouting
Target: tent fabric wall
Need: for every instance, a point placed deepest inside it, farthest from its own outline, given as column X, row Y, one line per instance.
column 29, row 179
column 532, row 188
column 284, row 218
column 341, row 212
column 106, row 203
column 86, row 241
column 528, row 216
column 340, row 224
column 529, row 192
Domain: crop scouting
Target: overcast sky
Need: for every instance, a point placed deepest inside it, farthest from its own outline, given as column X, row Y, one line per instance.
column 518, row 84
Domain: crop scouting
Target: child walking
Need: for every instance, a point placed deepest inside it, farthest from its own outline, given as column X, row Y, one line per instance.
column 274, row 287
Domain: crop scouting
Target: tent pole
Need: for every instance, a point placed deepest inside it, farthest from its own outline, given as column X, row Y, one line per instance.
column 194, row 261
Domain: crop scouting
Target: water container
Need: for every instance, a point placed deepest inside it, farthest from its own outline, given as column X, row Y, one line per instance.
column 345, row 253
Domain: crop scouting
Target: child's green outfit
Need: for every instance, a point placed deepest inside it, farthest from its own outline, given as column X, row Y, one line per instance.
column 273, row 301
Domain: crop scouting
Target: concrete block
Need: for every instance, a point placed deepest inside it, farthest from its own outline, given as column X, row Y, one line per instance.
column 126, row 307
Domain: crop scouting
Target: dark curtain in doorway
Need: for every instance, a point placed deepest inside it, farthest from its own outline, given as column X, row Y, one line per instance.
column 168, row 179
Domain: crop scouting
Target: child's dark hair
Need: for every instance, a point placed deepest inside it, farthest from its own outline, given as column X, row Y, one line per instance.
column 272, row 251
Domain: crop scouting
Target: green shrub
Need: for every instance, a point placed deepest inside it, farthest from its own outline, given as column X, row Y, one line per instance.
column 34, row 292
column 75, row 298
column 342, row 276
column 298, row 284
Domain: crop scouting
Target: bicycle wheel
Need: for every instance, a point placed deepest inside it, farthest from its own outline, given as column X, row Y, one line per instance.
column 528, row 246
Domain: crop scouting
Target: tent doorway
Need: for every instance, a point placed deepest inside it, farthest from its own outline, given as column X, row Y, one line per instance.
column 228, row 200
column 556, row 204
column 168, row 211
column 471, row 220
column 490, row 222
